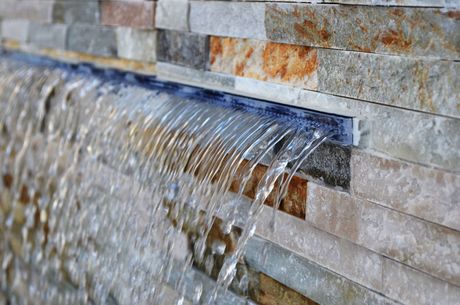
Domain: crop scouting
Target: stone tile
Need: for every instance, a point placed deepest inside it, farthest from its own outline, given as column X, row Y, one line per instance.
column 298, row 236
column 48, row 35
column 204, row 79
column 318, row 283
column 182, row 48
column 271, row 292
column 429, row 86
column 244, row 20
column 400, row 31
column 130, row 14
column 76, row 12
column 15, row 29
column 267, row 61
column 33, row 10
column 413, row 287
column 172, row 15
column 427, row 193
column 95, row 40
column 425, row 246
column 409, row 135
column 329, row 164
column 136, row 44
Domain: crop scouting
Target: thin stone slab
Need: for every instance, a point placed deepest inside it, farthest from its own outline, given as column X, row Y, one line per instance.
column 48, row 35
column 136, row 44
column 76, row 12
column 172, row 15
column 95, row 40
column 400, row 31
column 409, row 240
column 15, row 29
column 33, row 10
column 183, row 48
column 427, row 193
column 430, row 86
column 308, row 278
column 244, row 20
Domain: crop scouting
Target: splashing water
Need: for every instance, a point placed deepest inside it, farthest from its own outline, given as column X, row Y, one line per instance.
column 110, row 194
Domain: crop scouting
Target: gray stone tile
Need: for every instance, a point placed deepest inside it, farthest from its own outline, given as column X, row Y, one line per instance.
column 172, row 15
column 244, row 20
column 95, row 40
column 15, row 29
column 387, row 30
column 409, row 240
column 33, row 10
column 183, row 48
column 136, row 44
column 48, row 35
column 430, row 86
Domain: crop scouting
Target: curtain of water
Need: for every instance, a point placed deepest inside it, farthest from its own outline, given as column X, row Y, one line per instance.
column 109, row 193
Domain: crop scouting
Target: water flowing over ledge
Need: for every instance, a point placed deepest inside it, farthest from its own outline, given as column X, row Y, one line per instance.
column 114, row 185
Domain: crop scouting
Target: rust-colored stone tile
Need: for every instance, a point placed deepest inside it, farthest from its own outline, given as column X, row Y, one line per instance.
column 295, row 200
column 130, row 14
column 266, row 61
column 400, row 31
column 272, row 292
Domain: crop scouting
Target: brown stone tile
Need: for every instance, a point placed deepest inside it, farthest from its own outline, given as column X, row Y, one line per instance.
column 130, row 14
column 266, row 61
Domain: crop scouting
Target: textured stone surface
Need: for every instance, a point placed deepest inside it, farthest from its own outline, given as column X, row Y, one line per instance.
column 281, row 63
column 130, row 14
column 271, row 292
column 413, row 136
column 306, row 277
column 413, row 287
column 95, row 40
column 293, row 203
column 330, row 164
column 136, row 44
column 431, row 86
column 191, row 76
column 245, row 20
column 422, row 3
column 33, row 10
column 420, row 244
column 76, row 12
column 182, row 48
column 401, row 31
column 413, row 189
column 15, row 29
column 48, row 35
column 172, row 15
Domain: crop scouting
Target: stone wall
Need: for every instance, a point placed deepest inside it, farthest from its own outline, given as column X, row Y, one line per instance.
column 390, row 233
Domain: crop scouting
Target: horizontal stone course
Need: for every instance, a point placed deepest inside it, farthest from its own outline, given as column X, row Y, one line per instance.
column 130, row 14
column 400, row 31
column 431, row 86
column 419, row 3
column 427, row 193
column 409, row 240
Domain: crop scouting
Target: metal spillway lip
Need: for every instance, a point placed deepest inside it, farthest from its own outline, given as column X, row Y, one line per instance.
column 340, row 127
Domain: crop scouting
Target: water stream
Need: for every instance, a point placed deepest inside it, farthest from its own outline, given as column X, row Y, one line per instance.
column 110, row 193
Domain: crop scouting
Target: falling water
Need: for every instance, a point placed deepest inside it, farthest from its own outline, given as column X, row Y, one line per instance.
column 110, row 193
